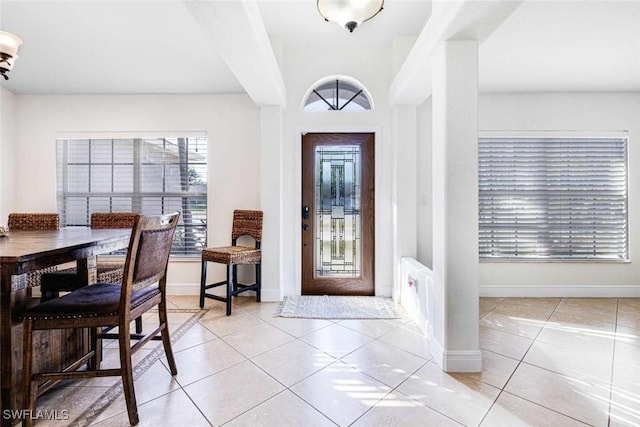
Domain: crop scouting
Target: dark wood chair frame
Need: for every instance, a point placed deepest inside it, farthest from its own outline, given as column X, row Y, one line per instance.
column 67, row 280
column 109, row 305
column 245, row 223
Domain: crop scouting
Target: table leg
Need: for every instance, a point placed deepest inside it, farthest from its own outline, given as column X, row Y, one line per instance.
column 11, row 303
column 59, row 348
column 88, row 270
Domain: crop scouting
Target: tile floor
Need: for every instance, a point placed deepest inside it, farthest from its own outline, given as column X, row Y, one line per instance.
column 547, row 362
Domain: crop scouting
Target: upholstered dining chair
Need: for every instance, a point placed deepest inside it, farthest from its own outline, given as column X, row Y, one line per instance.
column 109, row 305
column 67, row 280
column 33, row 222
column 245, row 223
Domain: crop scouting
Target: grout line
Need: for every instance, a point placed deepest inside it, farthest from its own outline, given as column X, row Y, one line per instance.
column 613, row 363
column 115, row 391
column 393, row 390
column 542, row 406
column 520, row 361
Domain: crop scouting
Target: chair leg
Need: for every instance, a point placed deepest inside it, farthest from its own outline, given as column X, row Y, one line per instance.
column 139, row 325
column 127, row 374
column 29, row 391
column 258, row 281
column 48, row 295
column 96, row 346
column 235, row 277
column 166, row 339
column 230, row 287
column 203, row 279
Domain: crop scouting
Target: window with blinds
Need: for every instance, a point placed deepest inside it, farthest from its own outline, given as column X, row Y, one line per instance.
column 149, row 176
column 553, row 198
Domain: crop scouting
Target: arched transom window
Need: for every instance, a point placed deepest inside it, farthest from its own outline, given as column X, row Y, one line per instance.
column 337, row 94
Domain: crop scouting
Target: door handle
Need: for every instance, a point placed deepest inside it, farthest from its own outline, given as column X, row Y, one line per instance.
column 305, row 227
column 305, row 212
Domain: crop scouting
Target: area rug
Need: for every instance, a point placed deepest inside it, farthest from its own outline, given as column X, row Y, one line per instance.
column 337, row 307
column 112, row 393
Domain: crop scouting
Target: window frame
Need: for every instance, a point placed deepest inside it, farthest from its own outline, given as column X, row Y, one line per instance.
column 335, row 84
column 623, row 255
column 189, row 248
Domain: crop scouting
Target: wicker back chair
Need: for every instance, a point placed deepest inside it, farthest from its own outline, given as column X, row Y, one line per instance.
column 113, row 219
column 109, row 305
column 33, row 221
column 245, row 223
column 107, row 272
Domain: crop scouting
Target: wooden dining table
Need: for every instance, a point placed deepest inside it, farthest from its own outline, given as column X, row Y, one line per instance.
column 22, row 252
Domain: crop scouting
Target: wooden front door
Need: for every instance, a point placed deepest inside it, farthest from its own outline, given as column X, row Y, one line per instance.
column 338, row 214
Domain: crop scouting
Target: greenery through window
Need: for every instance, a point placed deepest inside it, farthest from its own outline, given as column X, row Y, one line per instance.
column 149, row 176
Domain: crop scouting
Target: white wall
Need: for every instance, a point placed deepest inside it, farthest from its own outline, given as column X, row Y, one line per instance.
column 568, row 112
column 234, row 129
column 424, row 223
column 301, row 69
column 548, row 112
column 7, row 143
column 230, row 121
column 404, row 189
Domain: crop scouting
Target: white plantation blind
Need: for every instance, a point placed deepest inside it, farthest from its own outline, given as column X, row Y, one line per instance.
column 149, row 176
column 553, row 198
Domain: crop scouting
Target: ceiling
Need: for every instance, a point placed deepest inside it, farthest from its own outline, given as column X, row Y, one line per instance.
column 157, row 47
column 579, row 45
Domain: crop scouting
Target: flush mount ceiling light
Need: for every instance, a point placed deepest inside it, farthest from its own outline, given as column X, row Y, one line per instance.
column 349, row 13
column 8, row 52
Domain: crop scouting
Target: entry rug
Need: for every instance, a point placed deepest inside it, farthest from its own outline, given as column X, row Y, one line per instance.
column 338, row 307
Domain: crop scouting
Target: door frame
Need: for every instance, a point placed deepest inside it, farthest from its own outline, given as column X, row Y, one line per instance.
column 379, row 253
column 364, row 284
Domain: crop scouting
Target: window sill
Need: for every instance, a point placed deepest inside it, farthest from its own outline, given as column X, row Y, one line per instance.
column 565, row 261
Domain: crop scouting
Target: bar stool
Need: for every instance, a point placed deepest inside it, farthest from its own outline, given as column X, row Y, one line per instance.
column 67, row 280
column 107, row 305
column 245, row 223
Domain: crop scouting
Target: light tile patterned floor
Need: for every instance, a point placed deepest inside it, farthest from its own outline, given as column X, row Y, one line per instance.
column 548, row 362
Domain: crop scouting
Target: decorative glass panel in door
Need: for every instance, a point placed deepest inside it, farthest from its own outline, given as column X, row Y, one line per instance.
column 337, row 214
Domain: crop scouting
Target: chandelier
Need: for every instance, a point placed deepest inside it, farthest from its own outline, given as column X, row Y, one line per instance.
column 349, row 13
column 8, row 52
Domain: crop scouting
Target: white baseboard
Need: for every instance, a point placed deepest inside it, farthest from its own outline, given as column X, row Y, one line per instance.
column 456, row 360
column 183, row 289
column 618, row 291
column 437, row 351
column 268, row 295
column 463, row 361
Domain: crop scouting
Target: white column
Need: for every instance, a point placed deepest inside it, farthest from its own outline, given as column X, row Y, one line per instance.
column 454, row 343
column 271, row 200
column 404, row 188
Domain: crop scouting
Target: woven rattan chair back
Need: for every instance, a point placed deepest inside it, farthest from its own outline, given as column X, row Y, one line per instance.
column 104, row 305
column 34, row 221
column 247, row 223
column 113, row 219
